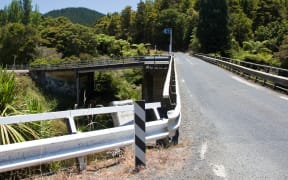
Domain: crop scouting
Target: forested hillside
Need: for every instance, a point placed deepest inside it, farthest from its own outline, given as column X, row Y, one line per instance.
column 251, row 30
column 255, row 31
column 28, row 37
column 82, row 16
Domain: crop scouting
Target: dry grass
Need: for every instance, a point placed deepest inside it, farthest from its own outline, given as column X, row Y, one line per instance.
column 159, row 162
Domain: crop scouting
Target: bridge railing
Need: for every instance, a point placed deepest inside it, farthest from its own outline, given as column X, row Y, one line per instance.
column 88, row 63
column 266, row 74
column 171, row 92
column 85, row 63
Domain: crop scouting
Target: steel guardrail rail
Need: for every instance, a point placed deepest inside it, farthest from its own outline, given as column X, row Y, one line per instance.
column 258, row 66
column 165, row 93
column 31, row 153
column 277, row 80
column 174, row 116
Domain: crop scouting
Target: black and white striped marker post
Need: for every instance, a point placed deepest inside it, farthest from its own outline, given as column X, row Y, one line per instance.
column 140, row 145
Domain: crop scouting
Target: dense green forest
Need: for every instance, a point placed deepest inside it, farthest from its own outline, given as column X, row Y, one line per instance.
column 250, row 30
column 27, row 37
column 82, row 16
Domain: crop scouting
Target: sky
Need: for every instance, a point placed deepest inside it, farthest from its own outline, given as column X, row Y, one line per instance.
column 103, row 6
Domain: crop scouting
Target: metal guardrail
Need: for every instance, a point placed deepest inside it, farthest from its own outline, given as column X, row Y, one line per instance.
column 31, row 153
column 276, row 80
column 19, row 155
column 171, row 92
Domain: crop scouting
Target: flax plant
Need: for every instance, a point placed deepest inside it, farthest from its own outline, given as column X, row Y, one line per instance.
column 13, row 133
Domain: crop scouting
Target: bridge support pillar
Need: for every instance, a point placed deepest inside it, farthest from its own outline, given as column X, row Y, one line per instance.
column 152, row 89
column 84, row 87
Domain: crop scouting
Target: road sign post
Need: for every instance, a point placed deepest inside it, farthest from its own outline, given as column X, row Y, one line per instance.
column 170, row 32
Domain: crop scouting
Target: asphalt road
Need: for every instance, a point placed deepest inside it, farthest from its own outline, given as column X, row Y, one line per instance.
column 237, row 129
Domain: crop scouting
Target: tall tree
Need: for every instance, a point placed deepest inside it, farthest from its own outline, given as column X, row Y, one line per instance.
column 249, row 7
column 126, row 22
column 268, row 11
column 27, row 9
column 139, row 32
column 283, row 53
column 241, row 25
column 15, row 12
column 213, row 31
column 3, row 16
column 17, row 44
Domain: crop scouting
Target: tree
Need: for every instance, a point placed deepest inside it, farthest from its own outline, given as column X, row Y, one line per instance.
column 17, row 44
column 191, row 20
column 3, row 16
column 36, row 17
column 249, row 7
column 151, row 16
column 27, row 9
column 213, row 32
column 15, row 12
column 241, row 27
column 139, row 24
column 171, row 18
column 68, row 38
column 268, row 11
column 115, row 25
column 283, row 53
column 126, row 22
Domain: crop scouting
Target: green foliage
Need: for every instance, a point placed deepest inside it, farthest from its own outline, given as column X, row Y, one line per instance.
column 8, row 89
column 266, row 12
column 195, row 45
column 15, row 12
column 213, row 31
column 241, row 27
column 283, row 53
column 8, row 95
column 126, row 22
column 17, row 44
column 20, row 96
column 146, row 24
column 111, row 86
column 82, row 16
column 68, row 38
column 27, row 9
column 18, row 11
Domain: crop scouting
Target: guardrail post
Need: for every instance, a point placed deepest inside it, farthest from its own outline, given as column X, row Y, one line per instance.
column 81, row 165
column 140, row 134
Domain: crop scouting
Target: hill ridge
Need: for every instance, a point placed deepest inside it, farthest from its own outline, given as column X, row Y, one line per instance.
column 80, row 15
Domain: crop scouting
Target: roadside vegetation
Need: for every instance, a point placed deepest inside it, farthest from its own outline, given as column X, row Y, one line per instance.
column 19, row 95
column 250, row 30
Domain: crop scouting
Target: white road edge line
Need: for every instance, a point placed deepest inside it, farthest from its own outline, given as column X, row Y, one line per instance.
column 284, row 97
column 219, row 170
column 203, row 150
column 245, row 82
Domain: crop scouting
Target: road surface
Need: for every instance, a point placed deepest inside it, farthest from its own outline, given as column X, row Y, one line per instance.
column 236, row 129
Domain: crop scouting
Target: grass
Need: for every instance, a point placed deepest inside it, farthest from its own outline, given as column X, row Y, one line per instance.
column 159, row 162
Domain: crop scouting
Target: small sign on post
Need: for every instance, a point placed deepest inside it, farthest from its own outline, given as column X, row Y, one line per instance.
column 170, row 32
column 140, row 134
